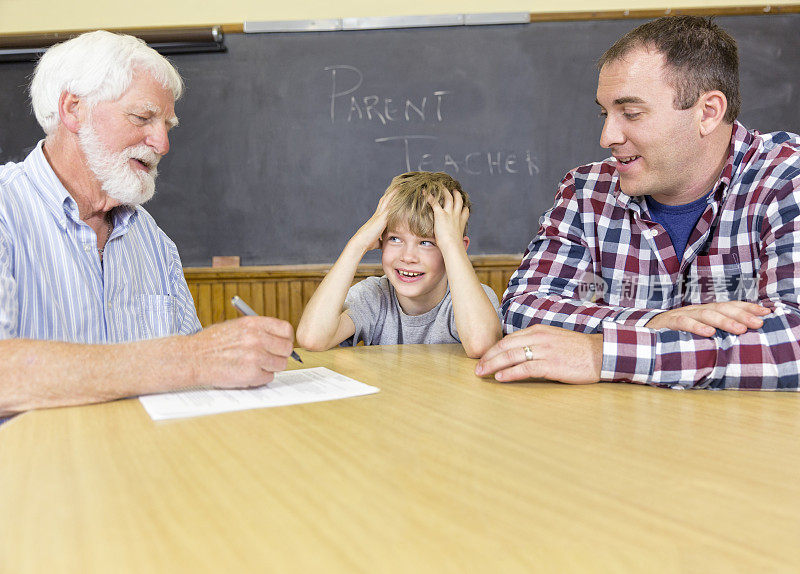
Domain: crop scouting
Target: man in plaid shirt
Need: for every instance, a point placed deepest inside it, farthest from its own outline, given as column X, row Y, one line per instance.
column 676, row 262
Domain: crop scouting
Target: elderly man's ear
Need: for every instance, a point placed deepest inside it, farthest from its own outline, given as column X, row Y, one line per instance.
column 71, row 111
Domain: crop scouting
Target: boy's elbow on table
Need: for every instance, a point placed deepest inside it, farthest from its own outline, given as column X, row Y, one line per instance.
column 307, row 339
column 476, row 348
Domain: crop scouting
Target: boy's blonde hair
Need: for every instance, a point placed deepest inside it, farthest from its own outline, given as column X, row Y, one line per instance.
column 410, row 206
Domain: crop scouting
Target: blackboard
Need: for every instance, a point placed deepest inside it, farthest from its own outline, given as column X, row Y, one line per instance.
column 287, row 140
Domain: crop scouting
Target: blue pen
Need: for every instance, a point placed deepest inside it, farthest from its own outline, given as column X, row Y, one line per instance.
column 245, row 309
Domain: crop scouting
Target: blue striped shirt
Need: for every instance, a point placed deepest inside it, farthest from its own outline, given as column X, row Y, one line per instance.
column 53, row 284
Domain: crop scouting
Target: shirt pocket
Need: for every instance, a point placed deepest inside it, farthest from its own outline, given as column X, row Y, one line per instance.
column 716, row 278
column 157, row 315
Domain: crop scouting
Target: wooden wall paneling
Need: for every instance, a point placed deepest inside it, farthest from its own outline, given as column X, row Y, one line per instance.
column 296, row 302
column 233, row 288
column 194, row 291
column 283, row 290
column 498, row 279
column 283, row 300
column 257, row 295
column 271, row 298
column 217, row 302
column 203, row 304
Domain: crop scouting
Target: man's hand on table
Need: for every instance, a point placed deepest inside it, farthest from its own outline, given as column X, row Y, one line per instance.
column 245, row 352
column 553, row 353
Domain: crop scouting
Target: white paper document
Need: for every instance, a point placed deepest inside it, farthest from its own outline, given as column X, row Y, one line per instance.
column 288, row 388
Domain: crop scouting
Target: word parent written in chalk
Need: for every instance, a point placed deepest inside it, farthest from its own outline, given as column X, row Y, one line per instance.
column 346, row 80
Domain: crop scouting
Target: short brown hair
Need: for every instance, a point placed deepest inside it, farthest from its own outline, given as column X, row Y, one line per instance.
column 410, row 206
column 700, row 57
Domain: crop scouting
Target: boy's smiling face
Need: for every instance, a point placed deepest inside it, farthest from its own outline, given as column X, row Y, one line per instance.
column 415, row 268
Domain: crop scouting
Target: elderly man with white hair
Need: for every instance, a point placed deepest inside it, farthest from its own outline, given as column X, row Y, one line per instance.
column 93, row 302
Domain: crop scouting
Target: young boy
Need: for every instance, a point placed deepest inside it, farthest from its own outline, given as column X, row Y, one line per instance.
column 429, row 293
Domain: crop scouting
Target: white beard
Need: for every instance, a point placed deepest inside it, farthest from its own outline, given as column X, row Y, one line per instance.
column 117, row 178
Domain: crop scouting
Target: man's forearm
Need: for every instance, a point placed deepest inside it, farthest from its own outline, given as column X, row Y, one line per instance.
column 240, row 353
column 765, row 358
column 530, row 308
column 41, row 374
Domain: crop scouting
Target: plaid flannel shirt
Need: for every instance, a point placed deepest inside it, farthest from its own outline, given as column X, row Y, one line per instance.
column 599, row 264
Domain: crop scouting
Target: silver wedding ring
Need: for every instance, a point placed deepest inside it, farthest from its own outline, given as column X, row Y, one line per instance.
column 528, row 353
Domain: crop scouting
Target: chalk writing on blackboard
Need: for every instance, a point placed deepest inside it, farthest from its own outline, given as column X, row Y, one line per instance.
column 345, row 80
column 415, row 158
column 418, row 152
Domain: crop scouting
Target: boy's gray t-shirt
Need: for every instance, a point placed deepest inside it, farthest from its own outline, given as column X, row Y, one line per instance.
column 379, row 320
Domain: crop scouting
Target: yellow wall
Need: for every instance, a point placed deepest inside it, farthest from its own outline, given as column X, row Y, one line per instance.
column 52, row 15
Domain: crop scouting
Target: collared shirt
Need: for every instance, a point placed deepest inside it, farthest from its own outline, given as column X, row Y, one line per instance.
column 600, row 264
column 677, row 220
column 53, row 284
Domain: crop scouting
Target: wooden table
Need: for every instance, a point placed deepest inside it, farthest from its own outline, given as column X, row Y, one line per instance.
column 439, row 472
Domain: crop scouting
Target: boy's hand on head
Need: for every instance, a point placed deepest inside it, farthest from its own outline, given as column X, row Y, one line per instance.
column 370, row 233
column 450, row 219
